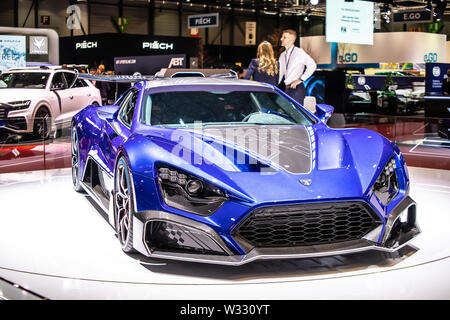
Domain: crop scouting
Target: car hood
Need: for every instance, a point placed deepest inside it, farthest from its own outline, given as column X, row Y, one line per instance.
column 262, row 164
column 10, row 95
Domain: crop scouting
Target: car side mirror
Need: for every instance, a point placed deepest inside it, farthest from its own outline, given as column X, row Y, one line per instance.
column 110, row 114
column 114, row 124
column 324, row 112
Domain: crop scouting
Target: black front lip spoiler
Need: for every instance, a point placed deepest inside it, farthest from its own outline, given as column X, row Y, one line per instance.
column 347, row 247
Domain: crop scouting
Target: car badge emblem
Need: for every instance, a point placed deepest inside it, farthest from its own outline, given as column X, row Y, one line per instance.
column 306, row 182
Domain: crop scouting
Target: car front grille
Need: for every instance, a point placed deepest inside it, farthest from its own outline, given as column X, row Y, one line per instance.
column 306, row 224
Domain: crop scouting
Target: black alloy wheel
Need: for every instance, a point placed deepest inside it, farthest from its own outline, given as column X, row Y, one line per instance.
column 123, row 206
column 75, row 160
column 42, row 123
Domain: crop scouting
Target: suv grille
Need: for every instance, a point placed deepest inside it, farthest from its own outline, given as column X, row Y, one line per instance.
column 307, row 224
column 3, row 113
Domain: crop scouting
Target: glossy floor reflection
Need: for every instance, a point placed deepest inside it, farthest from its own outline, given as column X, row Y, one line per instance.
column 55, row 243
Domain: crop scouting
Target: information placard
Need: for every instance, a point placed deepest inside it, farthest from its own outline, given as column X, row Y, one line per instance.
column 12, row 52
column 349, row 22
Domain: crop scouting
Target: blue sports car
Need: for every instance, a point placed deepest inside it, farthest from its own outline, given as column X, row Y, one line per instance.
column 227, row 171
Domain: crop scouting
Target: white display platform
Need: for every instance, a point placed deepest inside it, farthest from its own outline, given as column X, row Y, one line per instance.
column 54, row 242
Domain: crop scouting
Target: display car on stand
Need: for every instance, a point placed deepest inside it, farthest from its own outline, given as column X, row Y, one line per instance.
column 227, row 171
column 39, row 100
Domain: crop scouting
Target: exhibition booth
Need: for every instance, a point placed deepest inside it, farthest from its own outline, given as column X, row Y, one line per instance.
column 106, row 48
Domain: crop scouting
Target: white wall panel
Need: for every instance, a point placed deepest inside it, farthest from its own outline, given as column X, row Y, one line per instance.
column 317, row 48
column 399, row 47
column 387, row 47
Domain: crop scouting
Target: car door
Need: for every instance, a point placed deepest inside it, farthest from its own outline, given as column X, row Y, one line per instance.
column 77, row 93
column 118, row 130
column 66, row 102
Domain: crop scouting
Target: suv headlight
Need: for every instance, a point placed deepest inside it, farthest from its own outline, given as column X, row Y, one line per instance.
column 19, row 105
column 386, row 186
column 186, row 192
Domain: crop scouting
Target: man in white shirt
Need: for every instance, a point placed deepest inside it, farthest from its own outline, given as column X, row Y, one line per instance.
column 295, row 66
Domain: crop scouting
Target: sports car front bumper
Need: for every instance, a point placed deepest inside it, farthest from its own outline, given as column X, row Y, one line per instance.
column 400, row 228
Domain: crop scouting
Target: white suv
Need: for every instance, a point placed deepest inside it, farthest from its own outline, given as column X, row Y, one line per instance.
column 39, row 100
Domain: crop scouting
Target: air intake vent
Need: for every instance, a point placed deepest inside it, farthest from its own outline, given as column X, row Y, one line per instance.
column 306, row 224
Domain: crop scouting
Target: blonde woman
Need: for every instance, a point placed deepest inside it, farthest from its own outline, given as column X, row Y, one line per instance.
column 265, row 67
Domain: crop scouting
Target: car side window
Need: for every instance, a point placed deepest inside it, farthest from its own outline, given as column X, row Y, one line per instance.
column 58, row 81
column 122, row 98
column 79, row 84
column 127, row 108
column 70, row 77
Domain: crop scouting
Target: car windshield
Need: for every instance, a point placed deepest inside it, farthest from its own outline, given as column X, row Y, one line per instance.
column 24, row 80
column 181, row 109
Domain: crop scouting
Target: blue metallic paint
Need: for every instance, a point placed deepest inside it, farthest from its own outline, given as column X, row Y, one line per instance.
column 348, row 161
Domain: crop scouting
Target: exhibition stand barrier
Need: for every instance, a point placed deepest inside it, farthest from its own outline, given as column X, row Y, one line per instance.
column 424, row 142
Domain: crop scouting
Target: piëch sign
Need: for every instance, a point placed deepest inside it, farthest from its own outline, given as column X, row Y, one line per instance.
column 102, row 48
column 155, row 45
column 203, row 20
column 86, row 45
column 412, row 16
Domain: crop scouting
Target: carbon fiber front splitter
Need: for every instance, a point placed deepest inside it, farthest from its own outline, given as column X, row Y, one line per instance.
column 395, row 236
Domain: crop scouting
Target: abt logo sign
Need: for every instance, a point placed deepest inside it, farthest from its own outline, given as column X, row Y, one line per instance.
column 176, row 62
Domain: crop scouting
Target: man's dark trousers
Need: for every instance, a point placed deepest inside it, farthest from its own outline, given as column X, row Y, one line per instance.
column 298, row 93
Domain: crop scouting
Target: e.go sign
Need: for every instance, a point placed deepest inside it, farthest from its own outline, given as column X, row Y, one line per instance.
column 412, row 16
column 348, row 58
column 430, row 57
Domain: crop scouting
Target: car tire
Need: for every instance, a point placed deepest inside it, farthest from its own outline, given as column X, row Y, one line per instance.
column 75, row 151
column 123, row 205
column 42, row 125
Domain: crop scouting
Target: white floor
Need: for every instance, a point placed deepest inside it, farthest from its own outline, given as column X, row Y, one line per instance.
column 56, row 244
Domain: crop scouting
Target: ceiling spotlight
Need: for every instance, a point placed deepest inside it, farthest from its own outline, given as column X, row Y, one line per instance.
column 314, row 2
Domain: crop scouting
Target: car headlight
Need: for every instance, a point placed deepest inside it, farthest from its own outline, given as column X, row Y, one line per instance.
column 386, row 186
column 19, row 105
column 186, row 192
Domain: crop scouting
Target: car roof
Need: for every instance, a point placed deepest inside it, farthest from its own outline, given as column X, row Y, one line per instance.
column 39, row 69
column 184, row 81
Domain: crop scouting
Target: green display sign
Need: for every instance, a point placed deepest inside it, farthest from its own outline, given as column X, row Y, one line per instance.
column 121, row 23
column 435, row 27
